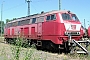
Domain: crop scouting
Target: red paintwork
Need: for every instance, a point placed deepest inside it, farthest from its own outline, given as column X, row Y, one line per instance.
column 8, row 31
column 51, row 30
column 33, row 32
column 12, row 31
column 82, row 31
column 89, row 31
column 26, row 31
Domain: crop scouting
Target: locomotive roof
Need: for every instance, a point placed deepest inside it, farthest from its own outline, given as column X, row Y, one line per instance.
column 37, row 15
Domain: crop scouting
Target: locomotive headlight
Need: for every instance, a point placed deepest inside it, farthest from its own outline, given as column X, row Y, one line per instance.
column 78, row 33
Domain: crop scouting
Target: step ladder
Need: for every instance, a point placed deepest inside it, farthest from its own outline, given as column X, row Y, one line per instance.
column 84, row 49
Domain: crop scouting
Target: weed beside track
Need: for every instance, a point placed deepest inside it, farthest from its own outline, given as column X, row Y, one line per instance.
column 12, row 52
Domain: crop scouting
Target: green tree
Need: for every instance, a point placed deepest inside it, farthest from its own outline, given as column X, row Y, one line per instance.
column 14, row 18
column 2, row 26
column 7, row 20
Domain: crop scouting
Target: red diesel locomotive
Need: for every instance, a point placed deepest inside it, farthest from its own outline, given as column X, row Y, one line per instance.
column 51, row 30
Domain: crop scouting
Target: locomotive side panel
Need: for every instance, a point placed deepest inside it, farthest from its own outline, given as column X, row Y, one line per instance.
column 49, row 31
column 26, row 31
column 33, row 31
column 12, row 31
column 53, row 31
column 8, row 32
column 48, row 28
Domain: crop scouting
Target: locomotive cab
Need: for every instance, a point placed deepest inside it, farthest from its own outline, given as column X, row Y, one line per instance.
column 72, row 25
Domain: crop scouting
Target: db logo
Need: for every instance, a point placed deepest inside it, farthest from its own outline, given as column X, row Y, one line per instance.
column 73, row 27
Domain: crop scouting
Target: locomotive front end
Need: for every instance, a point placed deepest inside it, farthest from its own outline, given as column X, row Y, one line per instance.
column 73, row 29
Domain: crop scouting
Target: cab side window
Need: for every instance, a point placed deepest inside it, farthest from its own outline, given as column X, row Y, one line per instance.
column 66, row 16
column 51, row 17
column 48, row 18
column 33, row 20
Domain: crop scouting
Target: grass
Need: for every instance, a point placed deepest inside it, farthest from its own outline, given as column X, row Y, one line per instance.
column 16, row 52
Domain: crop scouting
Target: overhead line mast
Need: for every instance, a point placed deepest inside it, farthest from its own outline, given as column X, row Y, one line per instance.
column 1, row 16
column 59, row 4
column 28, row 1
column 84, row 24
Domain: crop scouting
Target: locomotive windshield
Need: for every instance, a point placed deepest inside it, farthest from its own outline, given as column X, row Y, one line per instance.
column 66, row 16
column 74, row 17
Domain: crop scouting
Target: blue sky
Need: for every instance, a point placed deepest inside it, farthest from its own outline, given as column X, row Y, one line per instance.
column 18, row 8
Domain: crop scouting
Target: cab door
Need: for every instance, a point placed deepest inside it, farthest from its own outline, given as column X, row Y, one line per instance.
column 13, row 32
column 39, row 31
column 32, row 32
